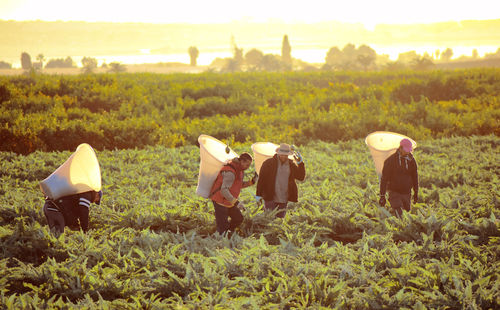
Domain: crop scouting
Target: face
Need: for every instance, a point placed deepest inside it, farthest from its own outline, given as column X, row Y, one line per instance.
column 283, row 158
column 245, row 164
column 403, row 152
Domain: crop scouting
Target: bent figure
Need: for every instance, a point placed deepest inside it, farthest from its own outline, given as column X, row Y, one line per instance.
column 71, row 211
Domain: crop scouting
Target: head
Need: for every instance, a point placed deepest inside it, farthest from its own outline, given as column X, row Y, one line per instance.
column 245, row 160
column 283, row 151
column 405, row 147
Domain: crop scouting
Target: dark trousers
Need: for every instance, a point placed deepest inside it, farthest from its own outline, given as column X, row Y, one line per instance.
column 281, row 206
column 399, row 202
column 221, row 218
column 78, row 218
column 73, row 216
column 55, row 219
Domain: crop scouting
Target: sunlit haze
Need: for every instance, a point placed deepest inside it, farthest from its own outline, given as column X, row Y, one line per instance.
column 367, row 12
column 365, row 20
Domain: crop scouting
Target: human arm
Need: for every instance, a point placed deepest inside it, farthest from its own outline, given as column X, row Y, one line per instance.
column 252, row 181
column 228, row 178
column 383, row 183
column 299, row 171
column 414, row 177
column 264, row 175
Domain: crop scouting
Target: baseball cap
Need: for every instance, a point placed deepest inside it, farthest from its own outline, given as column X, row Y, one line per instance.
column 406, row 145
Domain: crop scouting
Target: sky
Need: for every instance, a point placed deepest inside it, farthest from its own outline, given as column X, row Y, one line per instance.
column 367, row 12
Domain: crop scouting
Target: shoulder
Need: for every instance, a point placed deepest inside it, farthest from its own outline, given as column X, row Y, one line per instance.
column 269, row 162
column 392, row 157
column 229, row 167
column 413, row 160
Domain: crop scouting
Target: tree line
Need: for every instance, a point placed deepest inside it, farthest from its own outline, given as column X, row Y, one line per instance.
column 89, row 64
column 348, row 58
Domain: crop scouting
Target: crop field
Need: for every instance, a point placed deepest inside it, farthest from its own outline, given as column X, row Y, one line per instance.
column 123, row 111
column 152, row 241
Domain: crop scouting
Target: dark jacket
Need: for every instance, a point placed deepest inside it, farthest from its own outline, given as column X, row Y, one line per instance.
column 267, row 178
column 399, row 174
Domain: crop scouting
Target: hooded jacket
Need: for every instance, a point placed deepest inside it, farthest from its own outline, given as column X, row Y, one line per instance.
column 267, row 178
column 399, row 174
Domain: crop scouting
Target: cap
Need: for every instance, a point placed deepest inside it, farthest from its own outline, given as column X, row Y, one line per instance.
column 406, row 145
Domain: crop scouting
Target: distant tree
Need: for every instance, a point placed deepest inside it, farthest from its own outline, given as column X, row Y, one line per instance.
column 475, row 54
column 493, row 55
column 333, row 59
column 193, row 55
column 5, row 65
column 447, row 54
column 26, row 61
column 253, row 59
column 68, row 62
column 349, row 57
column 237, row 55
column 116, row 67
column 219, row 64
column 271, row 63
column 423, row 63
column 382, row 60
column 436, row 54
column 231, row 65
column 407, row 58
column 89, row 64
column 40, row 59
column 286, row 53
column 366, row 56
column 60, row 63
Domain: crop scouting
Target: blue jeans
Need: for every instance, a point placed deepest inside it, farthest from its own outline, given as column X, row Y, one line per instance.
column 221, row 218
column 271, row 205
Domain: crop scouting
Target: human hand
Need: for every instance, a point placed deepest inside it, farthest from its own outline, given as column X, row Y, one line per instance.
column 382, row 200
column 240, row 206
column 258, row 199
column 297, row 156
column 255, row 178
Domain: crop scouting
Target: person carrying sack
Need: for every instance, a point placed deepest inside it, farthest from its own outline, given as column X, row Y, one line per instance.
column 226, row 190
column 399, row 176
column 276, row 184
column 71, row 211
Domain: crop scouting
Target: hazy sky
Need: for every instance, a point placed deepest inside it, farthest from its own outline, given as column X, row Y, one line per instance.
column 368, row 12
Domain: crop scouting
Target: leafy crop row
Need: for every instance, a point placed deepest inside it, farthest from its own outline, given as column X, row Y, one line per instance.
column 152, row 242
column 120, row 111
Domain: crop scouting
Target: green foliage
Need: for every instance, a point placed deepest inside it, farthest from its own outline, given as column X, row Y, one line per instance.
column 50, row 112
column 60, row 63
column 152, row 242
column 5, row 65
